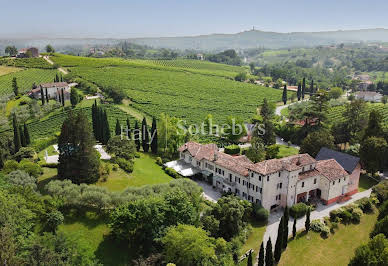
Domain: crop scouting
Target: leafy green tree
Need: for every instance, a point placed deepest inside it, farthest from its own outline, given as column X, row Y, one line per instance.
column 118, row 128
column 54, row 219
column 335, row 93
column 78, row 160
column 314, row 141
column 145, row 136
column 154, row 136
column 267, row 110
column 11, row 50
column 15, row 86
column 50, row 49
column 256, row 153
column 307, row 222
column 372, row 153
column 234, row 129
column 374, row 128
column 121, row 147
column 381, row 227
column 261, row 258
column 375, row 252
column 252, row 67
column 356, row 118
column 269, row 260
column 189, row 245
column 284, row 97
column 16, row 133
column 22, row 179
column 242, row 76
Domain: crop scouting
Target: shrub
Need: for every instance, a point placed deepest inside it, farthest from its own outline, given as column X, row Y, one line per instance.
column 48, row 165
column 298, row 210
column 381, row 227
column 365, row 205
column 381, row 191
column 9, row 166
column 356, row 215
column 260, row 213
column 126, row 165
column 31, row 168
column 346, row 217
column 121, row 147
column 41, row 144
column 159, row 161
column 232, row 149
column 335, row 214
column 171, row 172
column 320, row 227
column 26, row 153
column 21, row 178
column 115, row 167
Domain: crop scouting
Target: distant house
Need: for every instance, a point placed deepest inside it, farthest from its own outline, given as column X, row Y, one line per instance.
column 363, row 85
column 350, row 163
column 28, row 52
column 52, row 90
column 369, row 96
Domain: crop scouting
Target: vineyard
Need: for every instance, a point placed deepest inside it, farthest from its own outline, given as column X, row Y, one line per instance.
column 38, row 62
column 336, row 113
column 52, row 124
column 182, row 94
column 25, row 79
column 4, row 70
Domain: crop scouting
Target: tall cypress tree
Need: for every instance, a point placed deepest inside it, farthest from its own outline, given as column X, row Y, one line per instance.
column 129, row 134
column 303, row 87
column 106, row 128
column 312, row 88
column 307, row 222
column 22, row 138
column 260, row 261
column 1, row 160
column 294, row 229
column 285, row 226
column 63, row 98
column 16, row 134
column 56, row 78
column 145, row 136
column 136, row 136
column 42, row 95
column 27, row 135
column 47, row 96
column 250, row 261
column 269, row 254
column 299, row 92
column 279, row 241
column 94, row 119
column 154, row 136
column 284, row 97
column 118, row 128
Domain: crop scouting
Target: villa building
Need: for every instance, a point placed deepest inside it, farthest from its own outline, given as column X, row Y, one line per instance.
column 53, row 90
column 271, row 183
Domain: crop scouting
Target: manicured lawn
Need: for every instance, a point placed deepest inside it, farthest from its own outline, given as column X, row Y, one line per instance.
column 48, row 175
column 366, row 182
column 254, row 240
column 285, row 151
column 146, row 172
column 337, row 249
column 92, row 231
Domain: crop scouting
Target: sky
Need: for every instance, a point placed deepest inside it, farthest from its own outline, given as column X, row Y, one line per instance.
column 157, row 18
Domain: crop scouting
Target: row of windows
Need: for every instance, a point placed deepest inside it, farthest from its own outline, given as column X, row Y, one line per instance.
column 339, row 180
column 315, row 181
column 279, row 197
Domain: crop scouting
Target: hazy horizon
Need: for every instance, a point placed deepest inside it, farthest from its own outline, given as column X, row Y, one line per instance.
column 118, row 19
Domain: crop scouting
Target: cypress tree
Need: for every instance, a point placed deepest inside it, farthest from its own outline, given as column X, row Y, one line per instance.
column 260, row 261
column 279, row 241
column 250, row 262
column 16, row 134
column 47, row 96
column 63, row 98
column 154, row 136
column 294, row 229
column 42, row 95
column 145, row 136
column 307, row 222
column 285, row 226
column 22, row 139
column 94, row 119
column 129, row 135
column 118, row 128
column 303, row 87
column 1, row 160
column 106, row 129
column 299, row 92
column 284, row 97
column 56, row 78
column 27, row 135
column 136, row 135
column 15, row 86
column 269, row 254
column 312, row 88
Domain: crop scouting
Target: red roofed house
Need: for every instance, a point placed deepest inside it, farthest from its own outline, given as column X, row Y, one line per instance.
column 53, row 90
column 28, row 52
column 271, row 183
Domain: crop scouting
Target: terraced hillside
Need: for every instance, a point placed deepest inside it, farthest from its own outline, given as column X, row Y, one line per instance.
column 189, row 89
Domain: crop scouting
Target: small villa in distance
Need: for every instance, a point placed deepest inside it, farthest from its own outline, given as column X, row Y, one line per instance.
column 53, row 90
column 277, row 182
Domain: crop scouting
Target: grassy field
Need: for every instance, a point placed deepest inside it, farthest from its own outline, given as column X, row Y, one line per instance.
column 25, row 79
column 285, row 151
column 4, row 70
column 254, row 240
column 337, row 249
column 37, row 62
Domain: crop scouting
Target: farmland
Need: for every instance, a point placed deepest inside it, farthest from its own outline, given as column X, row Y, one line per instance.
column 188, row 89
column 4, row 70
column 25, row 79
column 37, row 62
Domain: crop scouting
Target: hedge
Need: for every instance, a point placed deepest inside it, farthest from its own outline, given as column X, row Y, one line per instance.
column 298, row 210
column 232, row 149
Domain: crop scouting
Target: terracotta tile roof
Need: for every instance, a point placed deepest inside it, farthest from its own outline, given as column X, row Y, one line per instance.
column 290, row 163
column 54, row 85
column 331, row 169
column 308, row 174
column 238, row 164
